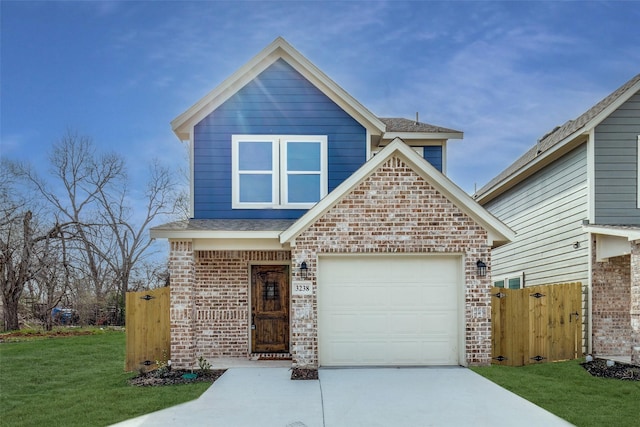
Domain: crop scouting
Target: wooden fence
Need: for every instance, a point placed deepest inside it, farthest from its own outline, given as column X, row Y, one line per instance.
column 148, row 329
column 536, row 324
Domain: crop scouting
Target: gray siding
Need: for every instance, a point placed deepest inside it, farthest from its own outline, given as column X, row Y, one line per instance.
column 546, row 212
column 616, row 168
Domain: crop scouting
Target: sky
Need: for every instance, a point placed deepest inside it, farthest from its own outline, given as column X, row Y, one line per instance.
column 504, row 73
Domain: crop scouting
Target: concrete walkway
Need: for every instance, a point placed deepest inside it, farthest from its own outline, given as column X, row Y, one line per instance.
column 353, row 397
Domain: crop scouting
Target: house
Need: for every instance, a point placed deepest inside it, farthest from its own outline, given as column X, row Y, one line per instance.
column 574, row 201
column 321, row 233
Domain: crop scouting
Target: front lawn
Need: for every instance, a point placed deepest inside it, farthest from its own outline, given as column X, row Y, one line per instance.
column 569, row 391
column 77, row 381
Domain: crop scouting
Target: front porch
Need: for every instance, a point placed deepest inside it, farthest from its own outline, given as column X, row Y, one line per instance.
column 615, row 293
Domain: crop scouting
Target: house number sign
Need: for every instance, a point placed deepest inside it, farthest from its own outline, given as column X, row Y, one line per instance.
column 301, row 287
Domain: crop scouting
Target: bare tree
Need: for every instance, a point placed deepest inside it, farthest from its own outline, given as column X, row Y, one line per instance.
column 131, row 237
column 22, row 243
column 98, row 232
column 84, row 176
column 52, row 285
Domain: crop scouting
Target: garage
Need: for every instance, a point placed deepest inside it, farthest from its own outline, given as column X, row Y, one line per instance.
column 389, row 310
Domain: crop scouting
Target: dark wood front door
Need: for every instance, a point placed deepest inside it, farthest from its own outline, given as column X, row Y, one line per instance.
column 269, row 308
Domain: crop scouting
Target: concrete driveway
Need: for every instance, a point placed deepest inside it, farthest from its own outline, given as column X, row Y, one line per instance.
column 353, row 397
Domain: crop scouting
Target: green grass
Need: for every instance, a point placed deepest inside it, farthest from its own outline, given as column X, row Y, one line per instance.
column 569, row 391
column 76, row 381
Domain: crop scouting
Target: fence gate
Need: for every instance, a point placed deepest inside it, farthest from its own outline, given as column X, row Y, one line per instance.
column 147, row 328
column 536, row 324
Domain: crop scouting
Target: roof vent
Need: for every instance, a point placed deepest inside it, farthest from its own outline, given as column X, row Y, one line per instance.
column 417, row 121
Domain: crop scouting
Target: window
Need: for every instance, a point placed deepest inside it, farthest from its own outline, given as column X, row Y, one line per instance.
column 278, row 171
column 512, row 281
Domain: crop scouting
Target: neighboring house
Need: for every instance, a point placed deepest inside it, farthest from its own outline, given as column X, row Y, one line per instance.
column 310, row 241
column 574, row 201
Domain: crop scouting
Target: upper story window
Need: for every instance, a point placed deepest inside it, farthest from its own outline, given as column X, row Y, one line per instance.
column 278, row 171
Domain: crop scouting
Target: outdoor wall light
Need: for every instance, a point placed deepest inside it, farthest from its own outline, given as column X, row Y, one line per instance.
column 303, row 269
column 482, row 268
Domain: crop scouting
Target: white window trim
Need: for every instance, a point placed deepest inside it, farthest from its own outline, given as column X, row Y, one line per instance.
column 279, row 170
column 505, row 279
column 284, row 188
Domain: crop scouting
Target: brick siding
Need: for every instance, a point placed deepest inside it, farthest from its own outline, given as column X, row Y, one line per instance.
column 394, row 210
column 218, row 320
column 634, row 309
column 610, row 295
column 182, row 275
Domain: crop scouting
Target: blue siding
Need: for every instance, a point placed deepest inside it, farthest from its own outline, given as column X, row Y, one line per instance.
column 280, row 101
column 433, row 154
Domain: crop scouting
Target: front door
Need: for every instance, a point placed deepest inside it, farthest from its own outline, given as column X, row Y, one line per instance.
column 270, row 309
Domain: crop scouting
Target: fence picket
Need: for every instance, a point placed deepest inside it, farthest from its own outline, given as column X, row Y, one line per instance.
column 147, row 328
column 537, row 323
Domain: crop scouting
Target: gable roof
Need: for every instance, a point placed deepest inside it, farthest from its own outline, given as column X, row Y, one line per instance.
column 278, row 49
column 498, row 232
column 413, row 129
column 554, row 141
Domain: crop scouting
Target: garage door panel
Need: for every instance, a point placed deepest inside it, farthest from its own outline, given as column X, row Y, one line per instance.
column 406, row 295
column 438, row 323
column 344, row 323
column 341, row 295
column 384, row 310
column 341, row 352
column 405, row 323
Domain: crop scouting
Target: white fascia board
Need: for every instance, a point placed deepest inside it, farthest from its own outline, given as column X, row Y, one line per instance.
column 422, row 135
column 279, row 48
column 444, row 158
column 613, row 106
column 629, row 234
column 334, row 91
column 192, row 191
column 498, row 232
column 237, row 245
column 212, row 234
column 591, row 176
column 558, row 149
column 184, row 123
column 638, row 173
column 544, row 159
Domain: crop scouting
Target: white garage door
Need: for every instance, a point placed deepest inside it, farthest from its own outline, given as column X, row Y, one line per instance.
column 388, row 310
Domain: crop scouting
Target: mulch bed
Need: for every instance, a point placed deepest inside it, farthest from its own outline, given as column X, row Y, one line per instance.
column 621, row 371
column 175, row 376
column 304, row 374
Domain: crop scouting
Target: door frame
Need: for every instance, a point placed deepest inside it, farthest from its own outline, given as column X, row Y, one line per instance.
column 250, row 302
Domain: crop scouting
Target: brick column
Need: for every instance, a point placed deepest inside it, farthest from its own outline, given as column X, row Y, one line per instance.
column 478, row 308
column 634, row 309
column 182, row 281
column 304, row 314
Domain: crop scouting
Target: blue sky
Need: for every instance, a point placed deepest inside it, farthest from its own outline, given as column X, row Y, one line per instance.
column 505, row 73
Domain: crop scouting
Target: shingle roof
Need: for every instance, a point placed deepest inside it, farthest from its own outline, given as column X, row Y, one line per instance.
column 558, row 134
column 395, row 124
column 227, row 225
